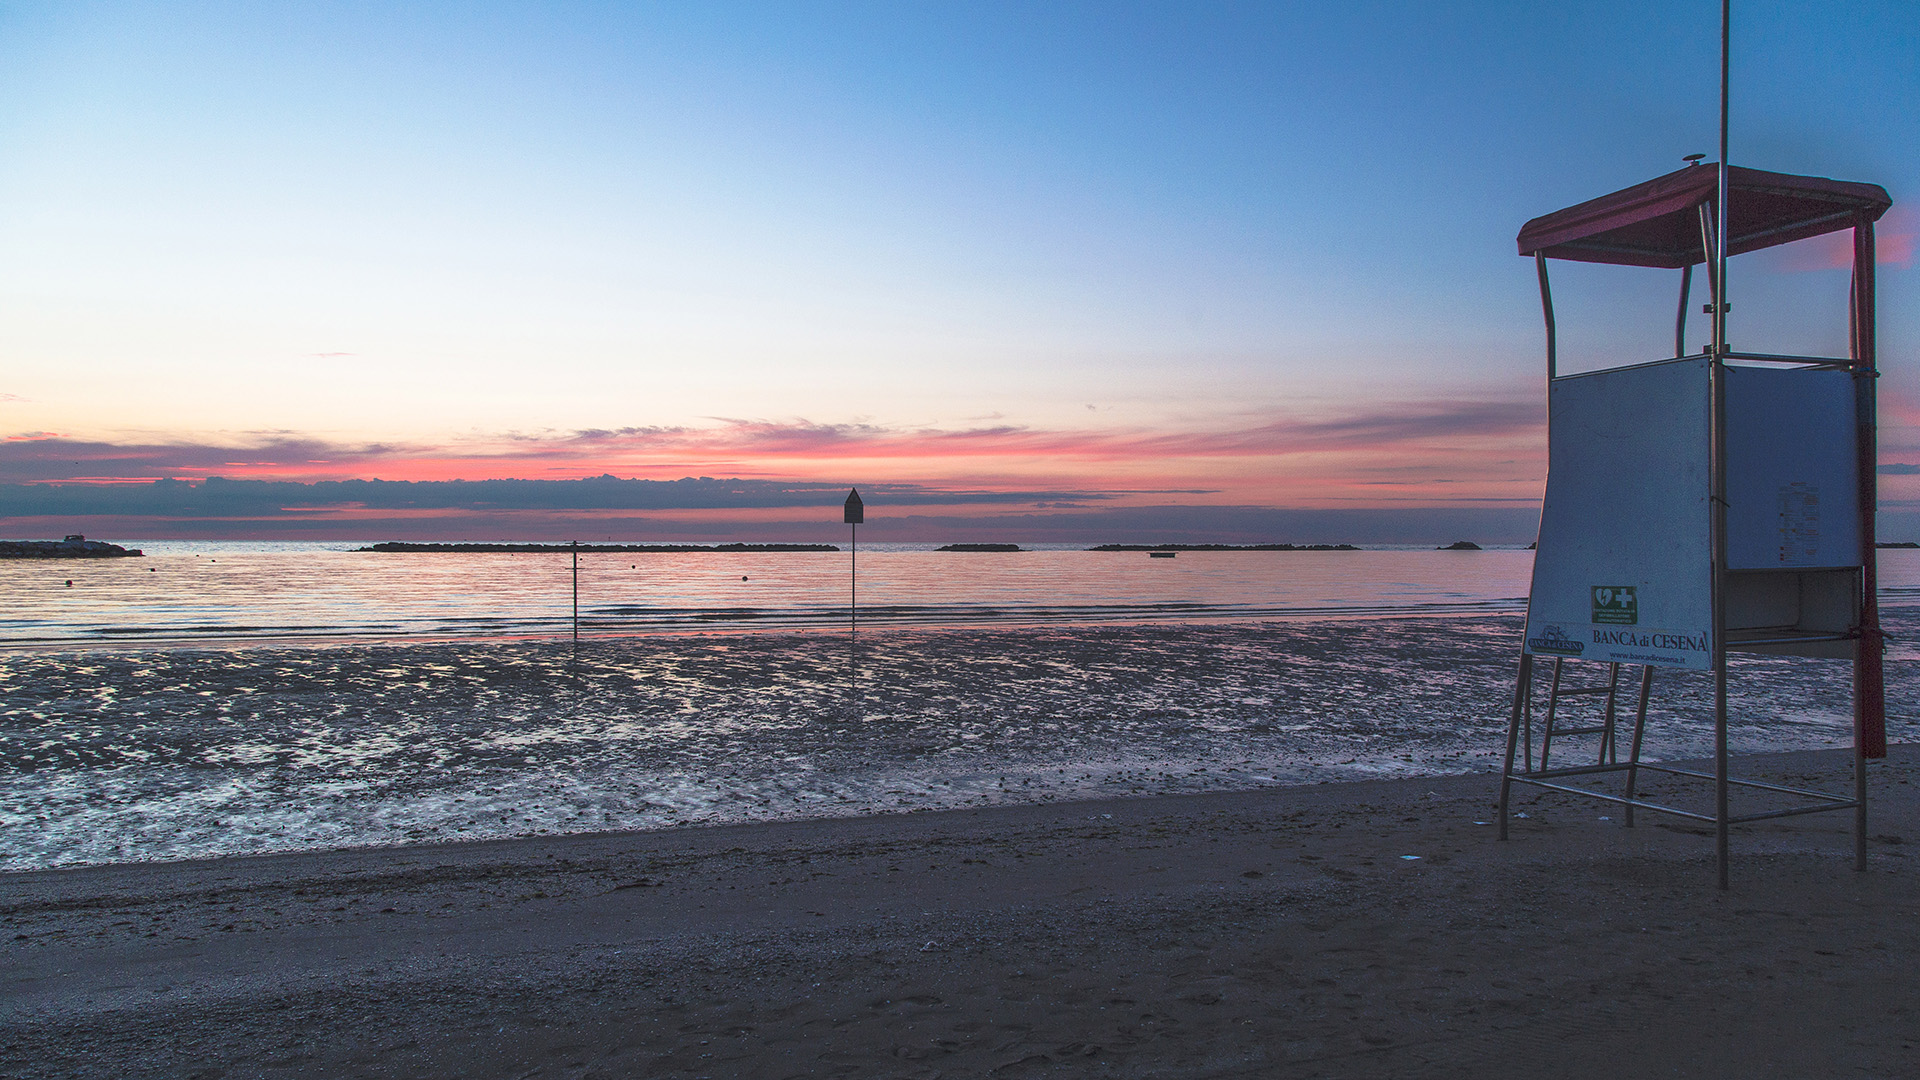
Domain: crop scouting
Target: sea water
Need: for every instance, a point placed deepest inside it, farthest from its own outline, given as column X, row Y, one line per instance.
column 434, row 698
column 227, row 590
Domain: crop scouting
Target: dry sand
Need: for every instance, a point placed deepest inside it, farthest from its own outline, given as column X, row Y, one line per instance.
column 1276, row 933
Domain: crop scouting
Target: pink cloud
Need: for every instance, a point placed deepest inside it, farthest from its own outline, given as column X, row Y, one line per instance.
column 738, row 439
column 1893, row 238
column 1408, row 449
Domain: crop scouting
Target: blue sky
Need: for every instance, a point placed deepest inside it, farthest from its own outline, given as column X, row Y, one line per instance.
column 1259, row 253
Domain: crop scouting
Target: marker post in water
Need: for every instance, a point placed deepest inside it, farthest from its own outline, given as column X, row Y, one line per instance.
column 576, row 593
column 853, row 514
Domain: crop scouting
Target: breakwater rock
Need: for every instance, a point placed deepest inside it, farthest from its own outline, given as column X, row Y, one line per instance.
column 1224, row 547
column 73, row 547
column 624, row 549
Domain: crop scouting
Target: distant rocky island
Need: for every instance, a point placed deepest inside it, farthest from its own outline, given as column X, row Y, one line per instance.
column 981, row 547
column 1460, row 545
column 73, row 547
column 624, row 549
column 1224, row 547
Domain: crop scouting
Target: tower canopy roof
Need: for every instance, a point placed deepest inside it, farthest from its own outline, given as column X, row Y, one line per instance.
column 1657, row 223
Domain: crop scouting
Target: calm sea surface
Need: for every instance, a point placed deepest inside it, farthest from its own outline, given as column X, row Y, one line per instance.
column 218, row 699
column 227, row 590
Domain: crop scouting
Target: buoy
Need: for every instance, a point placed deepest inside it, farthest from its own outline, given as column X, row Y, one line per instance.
column 69, row 583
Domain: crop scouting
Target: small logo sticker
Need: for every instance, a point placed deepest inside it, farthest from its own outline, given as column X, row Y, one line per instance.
column 1615, row 605
column 1553, row 639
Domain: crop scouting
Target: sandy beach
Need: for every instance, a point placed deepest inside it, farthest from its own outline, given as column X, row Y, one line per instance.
column 1279, row 932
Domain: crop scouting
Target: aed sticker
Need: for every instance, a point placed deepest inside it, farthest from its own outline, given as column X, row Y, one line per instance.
column 1615, row 605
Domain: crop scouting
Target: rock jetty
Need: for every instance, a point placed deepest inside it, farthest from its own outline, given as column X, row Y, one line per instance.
column 624, row 549
column 1224, row 547
column 73, row 547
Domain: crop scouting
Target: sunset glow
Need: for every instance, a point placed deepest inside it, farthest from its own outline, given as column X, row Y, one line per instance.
column 1076, row 260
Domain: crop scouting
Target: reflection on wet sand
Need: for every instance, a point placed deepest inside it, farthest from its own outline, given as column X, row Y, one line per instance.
column 114, row 755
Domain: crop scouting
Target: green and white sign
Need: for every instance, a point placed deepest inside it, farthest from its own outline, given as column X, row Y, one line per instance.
column 1615, row 605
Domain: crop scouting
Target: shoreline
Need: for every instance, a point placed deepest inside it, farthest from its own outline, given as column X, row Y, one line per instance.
column 1332, row 791
column 1273, row 932
column 875, row 624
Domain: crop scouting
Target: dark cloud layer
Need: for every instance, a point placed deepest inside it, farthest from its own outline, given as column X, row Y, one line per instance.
column 885, row 523
column 219, row 497
column 1224, row 524
column 1413, row 427
column 29, row 459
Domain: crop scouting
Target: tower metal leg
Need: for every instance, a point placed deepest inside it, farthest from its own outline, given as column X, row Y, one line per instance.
column 1720, row 767
column 1860, row 806
column 1609, row 753
column 1553, row 701
column 1526, row 725
column 1639, row 731
column 1522, row 690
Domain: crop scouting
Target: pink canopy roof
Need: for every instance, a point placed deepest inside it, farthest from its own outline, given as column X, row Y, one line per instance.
column 1658, row 223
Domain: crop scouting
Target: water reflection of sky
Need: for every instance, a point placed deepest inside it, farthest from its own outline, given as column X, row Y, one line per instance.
column 199, row 591
column 184, row 590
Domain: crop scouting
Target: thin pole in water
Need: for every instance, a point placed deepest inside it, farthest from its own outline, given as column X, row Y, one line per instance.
column 853, row 514
column 576, row 592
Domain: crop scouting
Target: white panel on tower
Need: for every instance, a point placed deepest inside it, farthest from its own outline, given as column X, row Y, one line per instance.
column 1623, row 570
column 1793, row 496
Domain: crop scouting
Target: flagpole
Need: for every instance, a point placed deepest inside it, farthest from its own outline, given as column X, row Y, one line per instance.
column 1718, row 481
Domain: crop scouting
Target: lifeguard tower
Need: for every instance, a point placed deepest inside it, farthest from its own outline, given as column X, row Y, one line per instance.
column 1714, row 501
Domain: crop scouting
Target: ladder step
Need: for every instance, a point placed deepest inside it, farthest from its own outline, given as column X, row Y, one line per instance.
column 1559, row 731
column 1584, row 690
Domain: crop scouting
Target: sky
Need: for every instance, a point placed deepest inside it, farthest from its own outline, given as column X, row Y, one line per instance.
column 1104, row 271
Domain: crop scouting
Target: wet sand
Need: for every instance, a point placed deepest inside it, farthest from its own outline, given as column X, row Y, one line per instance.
column 1276, row 933
column 111, row 757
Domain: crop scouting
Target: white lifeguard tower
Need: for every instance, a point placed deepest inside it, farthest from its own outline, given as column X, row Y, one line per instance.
column 1711, row 502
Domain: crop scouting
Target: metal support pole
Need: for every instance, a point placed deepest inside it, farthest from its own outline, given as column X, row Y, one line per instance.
column 576, row 592
column 1526, row 730
column 1869, row 689
column 1546, row 309
column 1546, row 732
column 853, row 581
column 1639, row 731
column 1522, row 687
column 1680, row 320
column 1523, row 683
column 1717, row 393
column 1720, row 307
column 1609, row 752
column 1707, row 246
